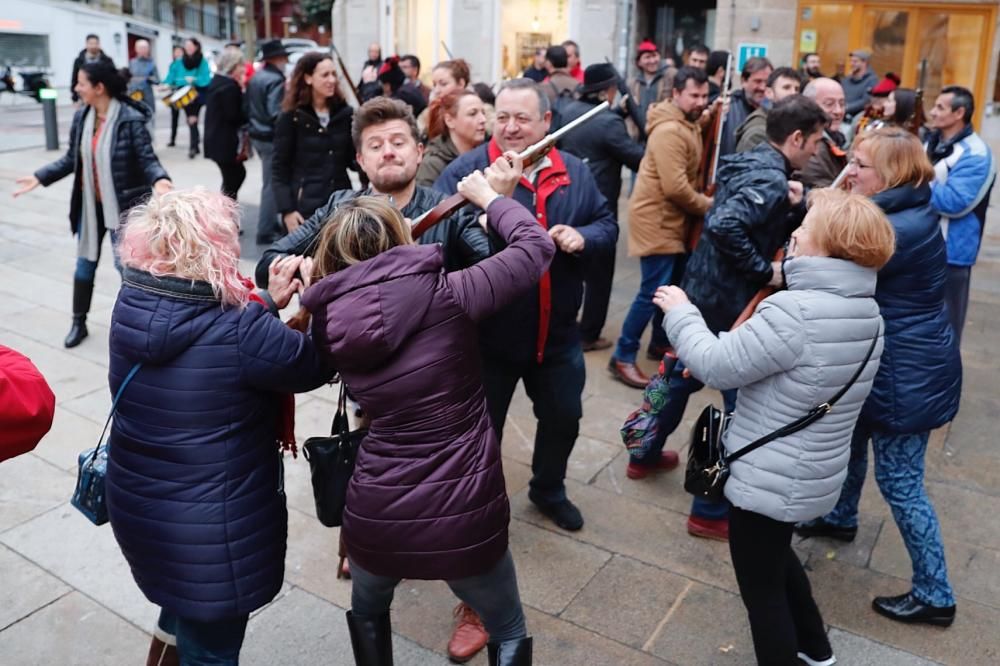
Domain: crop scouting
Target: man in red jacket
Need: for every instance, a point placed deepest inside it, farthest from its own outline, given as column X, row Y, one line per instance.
column 27, row 404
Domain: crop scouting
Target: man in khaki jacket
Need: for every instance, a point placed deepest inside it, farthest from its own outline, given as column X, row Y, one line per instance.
column 664, row 197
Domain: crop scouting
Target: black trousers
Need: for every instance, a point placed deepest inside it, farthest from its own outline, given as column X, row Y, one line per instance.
column 598, row 275
column 784, row 618
column 233, row 175
column 174, row 116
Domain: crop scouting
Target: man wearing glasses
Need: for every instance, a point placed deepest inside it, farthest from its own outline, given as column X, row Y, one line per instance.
column 831, row 156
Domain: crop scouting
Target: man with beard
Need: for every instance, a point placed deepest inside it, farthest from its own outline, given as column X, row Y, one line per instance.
column 650, row 86
column 755, row 210
column 859, row 82
column 663, row 198
column 536, row 339
column 388, row 150
column 811, row 66
column 91, row 53
column 831, row 156
column 742, row 103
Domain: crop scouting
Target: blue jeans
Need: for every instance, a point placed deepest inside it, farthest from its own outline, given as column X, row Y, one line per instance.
column 656, row 270
column 205, row 643
column 899, row 472
column 555, row 387
column 680, row 389
column 87, row 269
column 493, row 595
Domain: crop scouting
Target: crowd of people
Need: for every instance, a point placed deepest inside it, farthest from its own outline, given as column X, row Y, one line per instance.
column 831, row 195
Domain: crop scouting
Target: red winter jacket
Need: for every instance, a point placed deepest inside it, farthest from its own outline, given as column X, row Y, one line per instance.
column 27, row 404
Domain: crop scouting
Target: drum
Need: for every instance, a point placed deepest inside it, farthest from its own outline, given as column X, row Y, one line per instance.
column 181, row 97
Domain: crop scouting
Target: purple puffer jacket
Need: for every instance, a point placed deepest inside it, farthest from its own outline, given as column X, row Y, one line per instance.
column 427, row 499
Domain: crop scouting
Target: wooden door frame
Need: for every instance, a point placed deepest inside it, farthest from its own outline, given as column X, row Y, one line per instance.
column 911, row 60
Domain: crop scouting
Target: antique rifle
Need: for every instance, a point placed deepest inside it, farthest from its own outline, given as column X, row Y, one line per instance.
column 345, row 77
column 528, row 156
column 712, row 142
column 916, row 121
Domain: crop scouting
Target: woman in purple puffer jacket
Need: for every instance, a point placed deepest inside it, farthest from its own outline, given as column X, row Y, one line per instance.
column 427, row 499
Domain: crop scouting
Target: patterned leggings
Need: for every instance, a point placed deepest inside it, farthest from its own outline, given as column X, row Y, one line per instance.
column 899, row 471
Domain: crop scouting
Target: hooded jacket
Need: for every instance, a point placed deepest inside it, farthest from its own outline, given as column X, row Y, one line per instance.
column 427, row 499
column 919, row 384
column 134, row 165
column 750, row 220
column 194, row 482
column 440, row 152
column 664, row 194
column 797, row 351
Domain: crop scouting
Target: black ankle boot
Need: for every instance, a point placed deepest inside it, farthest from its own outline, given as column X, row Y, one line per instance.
column 510, row 653
column 83, row 291
column 371, row 638
column 195, row 141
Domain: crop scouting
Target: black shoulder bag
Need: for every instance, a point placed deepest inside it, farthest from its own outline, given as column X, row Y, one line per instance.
column 331, row 461
column 708, row 465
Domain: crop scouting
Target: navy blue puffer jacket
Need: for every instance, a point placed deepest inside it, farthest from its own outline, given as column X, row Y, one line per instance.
column 194, row 481
column 919, row 382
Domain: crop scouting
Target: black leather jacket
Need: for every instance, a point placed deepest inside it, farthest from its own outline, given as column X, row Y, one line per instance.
column 463, row 239
column 750, row 220
column 263, row 101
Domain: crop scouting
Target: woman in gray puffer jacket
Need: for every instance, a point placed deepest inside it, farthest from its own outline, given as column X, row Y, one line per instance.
column 797, row 351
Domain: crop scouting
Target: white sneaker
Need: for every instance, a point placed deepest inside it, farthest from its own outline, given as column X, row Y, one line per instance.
column 809, row 661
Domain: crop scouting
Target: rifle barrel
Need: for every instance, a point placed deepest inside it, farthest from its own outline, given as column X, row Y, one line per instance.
column 550, row 139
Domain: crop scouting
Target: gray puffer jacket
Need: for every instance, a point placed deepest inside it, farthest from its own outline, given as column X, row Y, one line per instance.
column 798, row 350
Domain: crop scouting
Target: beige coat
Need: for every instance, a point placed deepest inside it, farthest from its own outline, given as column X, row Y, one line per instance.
column 664, row 193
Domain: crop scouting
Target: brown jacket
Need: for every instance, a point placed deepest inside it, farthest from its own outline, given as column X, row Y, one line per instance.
column 664, row 193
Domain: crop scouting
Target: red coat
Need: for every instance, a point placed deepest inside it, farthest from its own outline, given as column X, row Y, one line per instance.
column 27, row 404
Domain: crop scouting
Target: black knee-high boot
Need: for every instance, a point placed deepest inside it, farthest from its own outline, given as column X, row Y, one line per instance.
column 195, row 141
column 371, row 638
column 174, row 117
column 83, row 291
column 510, row 653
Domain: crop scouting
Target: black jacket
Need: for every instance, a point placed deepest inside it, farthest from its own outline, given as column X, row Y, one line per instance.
column 310, row 161
column 604, row 144
column 224, row 117
column 263, row 101
column 463, row 239
column 750, row 220
column 78, row 63
column 134, row 165
column 739, row 110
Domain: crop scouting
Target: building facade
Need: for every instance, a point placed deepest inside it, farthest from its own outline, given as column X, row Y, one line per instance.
column 952, row 42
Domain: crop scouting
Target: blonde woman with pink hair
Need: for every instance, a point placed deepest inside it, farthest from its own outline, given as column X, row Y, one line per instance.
column 195, row 483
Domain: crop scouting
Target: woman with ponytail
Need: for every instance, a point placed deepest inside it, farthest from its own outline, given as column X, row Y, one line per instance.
column 456, row 125
column 111, row 157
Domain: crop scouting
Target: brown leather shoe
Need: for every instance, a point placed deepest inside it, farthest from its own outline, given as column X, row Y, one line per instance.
column 469, row 636
column 162, row 654
column 627, row 373
column 596, row 345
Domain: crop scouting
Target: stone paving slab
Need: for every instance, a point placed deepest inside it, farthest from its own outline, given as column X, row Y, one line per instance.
column 630, row 588
column 72, row 631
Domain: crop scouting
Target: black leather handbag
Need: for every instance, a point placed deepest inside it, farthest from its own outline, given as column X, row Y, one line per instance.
column 708, row 464
column 331, row 462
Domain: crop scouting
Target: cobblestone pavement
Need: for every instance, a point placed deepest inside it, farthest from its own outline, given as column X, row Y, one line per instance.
column 630, row 588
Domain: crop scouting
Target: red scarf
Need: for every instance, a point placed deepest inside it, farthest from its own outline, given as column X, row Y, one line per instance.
column 549, row 180
column 285, row 435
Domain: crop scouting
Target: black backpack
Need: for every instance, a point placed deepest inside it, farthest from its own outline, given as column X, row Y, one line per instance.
column 562, row 100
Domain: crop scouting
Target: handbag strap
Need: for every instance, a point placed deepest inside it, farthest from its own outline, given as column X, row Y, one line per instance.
column 340, row 416
column 814, row 414
column 114, row 406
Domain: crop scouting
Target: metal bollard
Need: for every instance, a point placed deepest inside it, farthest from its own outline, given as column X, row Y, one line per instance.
column 48, row 98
